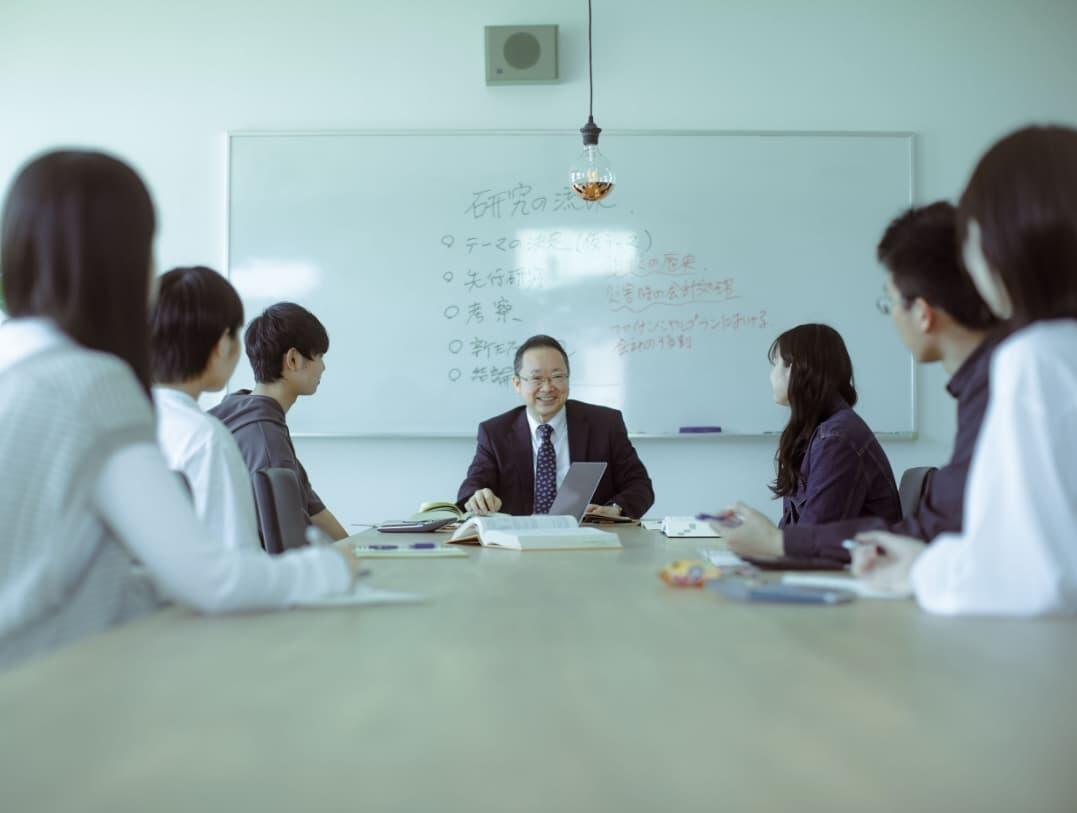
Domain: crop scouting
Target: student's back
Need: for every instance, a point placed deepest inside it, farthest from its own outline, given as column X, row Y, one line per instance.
column 830, row 465
column 200, row 447
column 63, row 411
column 845, row 474
column 195, row 345
column 257, row 422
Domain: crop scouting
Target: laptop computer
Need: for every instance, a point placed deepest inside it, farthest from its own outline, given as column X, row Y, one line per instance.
column 578, row 488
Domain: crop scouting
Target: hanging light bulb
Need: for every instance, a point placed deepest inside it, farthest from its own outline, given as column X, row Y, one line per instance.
column 591, row 174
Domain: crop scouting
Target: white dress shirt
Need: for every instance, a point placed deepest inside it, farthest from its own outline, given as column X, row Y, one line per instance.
column 202, row 448
column 1017, row 552
column 559, row 439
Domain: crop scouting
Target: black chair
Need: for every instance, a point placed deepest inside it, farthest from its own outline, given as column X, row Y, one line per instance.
column 282, row 518
column 914, row 483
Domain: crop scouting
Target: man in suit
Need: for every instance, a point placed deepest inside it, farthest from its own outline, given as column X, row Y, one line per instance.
column 524, row 454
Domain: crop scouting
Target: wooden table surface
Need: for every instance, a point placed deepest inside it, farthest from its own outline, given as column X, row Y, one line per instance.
column 545, row 681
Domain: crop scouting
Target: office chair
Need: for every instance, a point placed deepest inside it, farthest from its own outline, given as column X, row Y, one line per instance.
column 914, row 483
column 282, row 518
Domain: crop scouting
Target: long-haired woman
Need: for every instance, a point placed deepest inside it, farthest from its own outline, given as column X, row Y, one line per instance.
column 830, row 465
column 84, row 490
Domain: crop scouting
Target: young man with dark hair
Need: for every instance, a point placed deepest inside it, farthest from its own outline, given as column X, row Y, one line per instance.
column 524, row 454
column 939, row 316
column 285, row 346
column 194, row 347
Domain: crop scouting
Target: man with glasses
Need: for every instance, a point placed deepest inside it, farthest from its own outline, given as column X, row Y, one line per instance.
column 938, row 316
column 523, row 455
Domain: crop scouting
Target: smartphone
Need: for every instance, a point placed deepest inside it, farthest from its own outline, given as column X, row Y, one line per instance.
column 753, row 590
column 414, row 526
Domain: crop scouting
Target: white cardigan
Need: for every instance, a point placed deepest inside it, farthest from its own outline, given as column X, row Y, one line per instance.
column 1017, row 552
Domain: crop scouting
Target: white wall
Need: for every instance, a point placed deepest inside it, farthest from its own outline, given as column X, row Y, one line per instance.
column 159, row 83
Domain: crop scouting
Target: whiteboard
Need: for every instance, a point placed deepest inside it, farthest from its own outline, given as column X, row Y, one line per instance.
column 430, row 256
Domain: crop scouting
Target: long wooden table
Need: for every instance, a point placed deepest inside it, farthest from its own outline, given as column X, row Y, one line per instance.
column 549, row 682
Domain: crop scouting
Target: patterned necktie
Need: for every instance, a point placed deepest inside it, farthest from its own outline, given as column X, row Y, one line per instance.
column 545, row 472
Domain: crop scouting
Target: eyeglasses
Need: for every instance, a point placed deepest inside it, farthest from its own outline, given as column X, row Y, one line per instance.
column 884, row 305
column 557, row 380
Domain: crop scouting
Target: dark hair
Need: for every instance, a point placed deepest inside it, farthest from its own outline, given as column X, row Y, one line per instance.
column 195, row 307
column 76, row 248
column 1023, row 195
column 919, row 249
column 820, row 373
column 280, row 328
column 541, row 340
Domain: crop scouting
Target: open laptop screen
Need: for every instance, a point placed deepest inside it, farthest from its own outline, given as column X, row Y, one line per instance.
column 578, row 488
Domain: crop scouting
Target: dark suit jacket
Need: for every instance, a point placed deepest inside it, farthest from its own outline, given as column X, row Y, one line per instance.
column 504, row 460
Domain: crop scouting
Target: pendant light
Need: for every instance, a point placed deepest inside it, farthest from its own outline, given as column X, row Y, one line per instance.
column 591, row 175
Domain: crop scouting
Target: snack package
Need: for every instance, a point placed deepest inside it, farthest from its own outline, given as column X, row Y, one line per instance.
column 689, row 573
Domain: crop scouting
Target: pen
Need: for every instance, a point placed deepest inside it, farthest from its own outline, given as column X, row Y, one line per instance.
column 699, row 430
column 729, row 519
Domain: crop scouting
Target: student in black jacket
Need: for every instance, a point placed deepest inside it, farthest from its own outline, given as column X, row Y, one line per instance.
column 939, row 316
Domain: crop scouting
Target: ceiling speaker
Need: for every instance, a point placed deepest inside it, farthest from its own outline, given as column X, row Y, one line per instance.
column 521, row 54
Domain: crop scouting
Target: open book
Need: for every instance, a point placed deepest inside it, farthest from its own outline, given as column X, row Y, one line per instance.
column 449, row 510
column 443, row 510
column 438, row 510
column 533, row 533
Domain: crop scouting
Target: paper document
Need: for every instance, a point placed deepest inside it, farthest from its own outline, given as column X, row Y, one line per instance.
column 837, row 583
column 551, row 539
column 721, row 558
column 363, row 594
column 688, row 528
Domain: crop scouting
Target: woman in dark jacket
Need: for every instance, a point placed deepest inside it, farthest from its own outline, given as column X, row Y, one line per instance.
column 830, row 466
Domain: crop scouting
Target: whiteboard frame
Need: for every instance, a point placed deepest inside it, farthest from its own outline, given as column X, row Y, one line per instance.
column 908, row 135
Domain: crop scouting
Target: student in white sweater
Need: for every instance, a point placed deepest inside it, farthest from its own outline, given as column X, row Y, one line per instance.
column 194, row 348
column 1017, row 552
column 84, row 490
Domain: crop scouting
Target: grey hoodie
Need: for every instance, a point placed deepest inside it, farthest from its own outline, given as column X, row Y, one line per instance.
column 258, row 425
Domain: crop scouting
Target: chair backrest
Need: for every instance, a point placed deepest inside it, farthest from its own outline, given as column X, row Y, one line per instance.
column 282, row 519
column 914, row 483
column 185, row 483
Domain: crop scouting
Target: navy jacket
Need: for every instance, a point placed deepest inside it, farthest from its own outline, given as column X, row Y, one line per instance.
column 942, row 503
column 845, row 474
column 504, row 459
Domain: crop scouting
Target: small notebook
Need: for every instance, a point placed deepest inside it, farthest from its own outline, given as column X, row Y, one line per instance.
column 721, row 558
column 688, row 528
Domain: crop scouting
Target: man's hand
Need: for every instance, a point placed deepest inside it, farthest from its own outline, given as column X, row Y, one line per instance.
column 604, row 510
column 483, row 501
column 884, row 560
column 755, row 538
